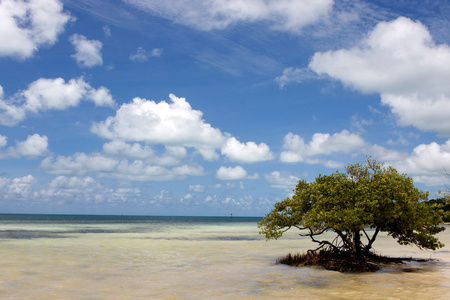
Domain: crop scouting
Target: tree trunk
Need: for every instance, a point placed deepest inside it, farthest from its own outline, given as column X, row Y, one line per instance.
column 357, row 242
column 370, row 243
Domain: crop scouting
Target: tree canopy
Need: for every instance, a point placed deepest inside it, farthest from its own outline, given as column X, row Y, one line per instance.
column 357, row 206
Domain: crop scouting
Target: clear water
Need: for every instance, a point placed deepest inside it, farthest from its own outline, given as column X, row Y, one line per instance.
column 122, row 257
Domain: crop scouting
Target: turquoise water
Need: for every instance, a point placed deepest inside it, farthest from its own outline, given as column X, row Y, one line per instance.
column 23, row 226
column 136, row 257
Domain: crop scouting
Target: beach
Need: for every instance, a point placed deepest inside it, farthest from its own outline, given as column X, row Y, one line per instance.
column 117, row 257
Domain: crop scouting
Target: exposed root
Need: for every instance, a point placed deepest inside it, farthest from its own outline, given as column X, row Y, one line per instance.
column 338, row 261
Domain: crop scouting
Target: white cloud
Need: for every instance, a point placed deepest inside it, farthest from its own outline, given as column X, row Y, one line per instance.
column 27, row 25
column 10, row 114
column 234, row 173
column 174, row 123
column 295, row 75
column 246, row 203
column 100, row 96
column 282, row 180
column 397, row 57
column 87, row 51
column 17, row 188
column 188, row 170
column 241, row 185
column 426, row 164
column 425, row 113
column 325, row 144
column 186, row 199
column 107, row 167
column 399, row 60
column 208, row 153
column 47, row 94
column 283, row 15
column 439, row 180
column 249, row 152
column 140, row 171
column 426, row 159
column 3, row 141
column 64, row 189
column 106, row 30
column 171, row 157
column 156, row 52
column 50, row 94
column 321, row 143
column 384, row 154
column 197, row 188
column 79, row 164
column 35, row 145
column 142, row 55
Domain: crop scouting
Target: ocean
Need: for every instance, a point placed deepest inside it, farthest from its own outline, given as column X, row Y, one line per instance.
column 157, row 257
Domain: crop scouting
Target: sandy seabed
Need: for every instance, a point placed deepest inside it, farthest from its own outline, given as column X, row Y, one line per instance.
column 196, row 261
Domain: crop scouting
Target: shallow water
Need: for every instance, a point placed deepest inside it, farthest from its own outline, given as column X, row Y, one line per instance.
column 80, row 257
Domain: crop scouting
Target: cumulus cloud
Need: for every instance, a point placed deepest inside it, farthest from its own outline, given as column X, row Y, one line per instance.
column 87, row 51
column 234, row 173
column 427, row 163
column 78, row 164
column 73, row 187
column 399, row 60
column 208, row 153
column 142, row 55
column 172, row 156
column 174, row 123
column 140, row 171
column 324, row 144
column 197, row 188
column 248, row 152
column 27, row 25
column 426, row 159
column 282, row 180
column 108, row 167
column 35, row 145
column 19, row 188
column 425, row 113
column 3, row 141
column 65, row 189
column 100, row 96
column 283, row 15
column 50, row 94
column 296, row 150
column 247, row 203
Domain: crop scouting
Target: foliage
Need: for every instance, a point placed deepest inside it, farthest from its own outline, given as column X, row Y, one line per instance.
column 357, row 205
column 441, row 203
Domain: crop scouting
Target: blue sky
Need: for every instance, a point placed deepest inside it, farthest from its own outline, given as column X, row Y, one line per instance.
column 212, row 107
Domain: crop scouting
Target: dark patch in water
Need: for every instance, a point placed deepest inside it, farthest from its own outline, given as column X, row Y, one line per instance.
column 36, row 234
column 411, row 269
column 231, row 238
column 28, row 234
column 211, row 238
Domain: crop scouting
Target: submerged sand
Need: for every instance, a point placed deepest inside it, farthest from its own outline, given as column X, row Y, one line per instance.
column 199, row 261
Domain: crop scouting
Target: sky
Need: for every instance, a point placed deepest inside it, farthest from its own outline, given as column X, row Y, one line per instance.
column 215, row 107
